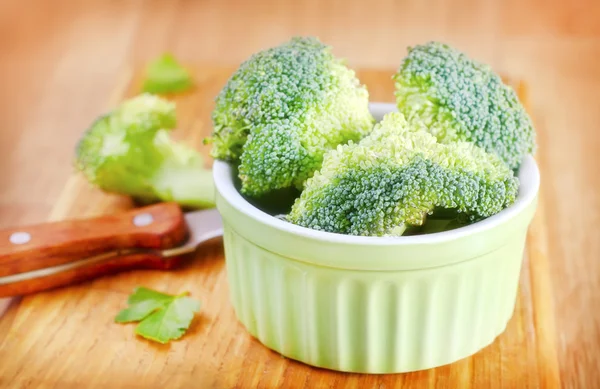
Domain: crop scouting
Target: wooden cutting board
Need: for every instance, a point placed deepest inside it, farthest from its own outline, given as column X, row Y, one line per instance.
column 66, row 338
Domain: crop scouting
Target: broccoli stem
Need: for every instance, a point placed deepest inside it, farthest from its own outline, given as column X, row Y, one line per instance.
column 190, row 186
column 399, row 230
column 436, row 225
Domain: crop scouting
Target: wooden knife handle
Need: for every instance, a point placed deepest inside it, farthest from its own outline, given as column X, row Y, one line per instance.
column 87, row 270
column 41, row 246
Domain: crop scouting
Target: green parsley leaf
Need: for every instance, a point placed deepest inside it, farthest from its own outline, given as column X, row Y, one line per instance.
column 169, row 323
column 166, row 75
column 162, row 317
column 142, row 303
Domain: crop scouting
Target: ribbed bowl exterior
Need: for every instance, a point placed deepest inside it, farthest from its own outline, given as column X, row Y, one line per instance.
column 373, row 321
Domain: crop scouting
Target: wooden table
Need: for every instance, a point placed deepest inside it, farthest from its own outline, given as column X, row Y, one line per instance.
column 61, row 60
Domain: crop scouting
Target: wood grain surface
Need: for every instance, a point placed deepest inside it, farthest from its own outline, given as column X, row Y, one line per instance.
column 67, row 337
column 60, row 59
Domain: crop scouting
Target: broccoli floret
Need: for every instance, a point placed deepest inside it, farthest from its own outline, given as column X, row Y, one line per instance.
column 441, row 89
column 129, row 151
column 283, row 109
column 395, row 177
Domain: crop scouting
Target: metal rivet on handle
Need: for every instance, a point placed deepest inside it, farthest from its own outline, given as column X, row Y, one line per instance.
column 19, row 237
column 143, row 219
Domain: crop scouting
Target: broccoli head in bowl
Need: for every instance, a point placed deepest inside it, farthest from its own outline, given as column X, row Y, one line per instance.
column 397, row 176
column 283, row 109
column 456, row 98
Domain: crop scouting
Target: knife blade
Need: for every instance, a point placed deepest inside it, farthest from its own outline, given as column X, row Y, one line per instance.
column 49, row 255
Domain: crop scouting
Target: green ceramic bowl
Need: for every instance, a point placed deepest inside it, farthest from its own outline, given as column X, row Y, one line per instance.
column 368, row 304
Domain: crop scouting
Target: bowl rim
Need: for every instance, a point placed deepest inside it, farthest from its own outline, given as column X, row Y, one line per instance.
column 528, row 176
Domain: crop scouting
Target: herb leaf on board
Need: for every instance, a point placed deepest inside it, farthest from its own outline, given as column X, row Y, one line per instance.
column 162, row 317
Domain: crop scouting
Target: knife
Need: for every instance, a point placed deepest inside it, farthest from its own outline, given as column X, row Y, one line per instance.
column 49, row 255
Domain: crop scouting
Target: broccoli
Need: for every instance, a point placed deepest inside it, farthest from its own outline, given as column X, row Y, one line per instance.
column 456, row 98
column 283, row 109
column 397, row 176
column 129, row 151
